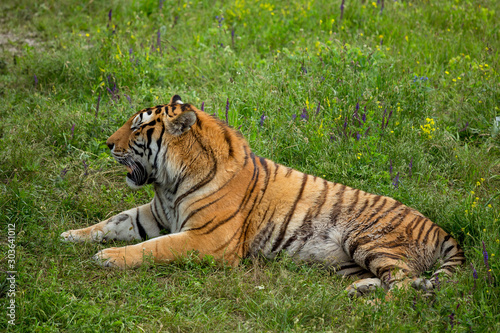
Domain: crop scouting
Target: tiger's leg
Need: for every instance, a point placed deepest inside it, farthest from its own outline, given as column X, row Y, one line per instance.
column 394, row 273
column 164, row 249
column 367, row 283
column 136, row 223
column 390, row 271
column 398, row 280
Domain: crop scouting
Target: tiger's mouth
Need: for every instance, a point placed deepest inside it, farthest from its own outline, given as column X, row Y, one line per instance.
column 136, row 172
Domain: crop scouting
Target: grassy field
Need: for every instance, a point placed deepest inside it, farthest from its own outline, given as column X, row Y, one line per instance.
column 400, row 98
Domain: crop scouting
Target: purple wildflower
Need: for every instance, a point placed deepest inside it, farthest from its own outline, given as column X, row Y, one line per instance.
column 437, row 284
column 388, row 117
column 232, row 37
column 63, row 173
column 158, row 40
column 72, row 131
column 227, row 111
column 36, row 80
column 85, row 167
column 474, row 275
column 262, row 118
column 131, row 57
column 304, row 116
column 474, row 272
column 452, row 319
column 345, row 124
column 485, row 255
column 342, row 10
column 465, row 127
column 395, row 182
column 294, row 116
column 358, row 136
column 303, row 68
column 128, row 98
column 356, row 114
column 318, row 108
column 382, row 7
column 486, row 263
column 113, row 92
column 160, row 5
column 410, row 166
column 109, row 17
column 390, row 167
column 219, row 19
column 202, row 106
column 383, row 119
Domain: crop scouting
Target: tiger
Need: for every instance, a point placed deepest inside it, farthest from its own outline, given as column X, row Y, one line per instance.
column 214, row 197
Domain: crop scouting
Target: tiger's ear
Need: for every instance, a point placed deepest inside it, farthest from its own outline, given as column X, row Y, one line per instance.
column 176, row 100
column 181, row 123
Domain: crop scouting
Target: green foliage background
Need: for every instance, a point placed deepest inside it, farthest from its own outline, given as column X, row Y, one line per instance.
column 399, row 98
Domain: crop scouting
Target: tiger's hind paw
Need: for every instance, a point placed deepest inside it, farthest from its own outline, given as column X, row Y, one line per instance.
column 363, row 287
column 423, row 284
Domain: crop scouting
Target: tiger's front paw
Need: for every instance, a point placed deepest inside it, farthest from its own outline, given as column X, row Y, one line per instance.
column 69, row 236
column 118, row 257
column 82, row 235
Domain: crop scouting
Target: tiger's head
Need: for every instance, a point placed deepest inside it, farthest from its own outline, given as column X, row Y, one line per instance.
column 168, row 143
column 140, row 143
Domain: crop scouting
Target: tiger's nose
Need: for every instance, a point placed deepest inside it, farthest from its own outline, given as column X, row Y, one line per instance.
column 110, row 145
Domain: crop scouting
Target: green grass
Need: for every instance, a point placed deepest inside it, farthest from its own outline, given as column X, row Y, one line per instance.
column 433, row 65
